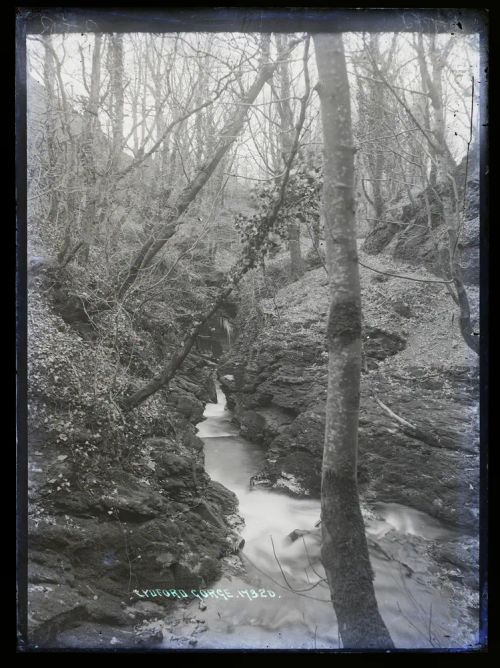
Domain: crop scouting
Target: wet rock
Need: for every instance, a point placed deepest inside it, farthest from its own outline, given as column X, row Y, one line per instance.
column 190, row 407
column 252, row 424
column 129, row 499
column 173, row 465
column 129, row 519
column 218, row 495
column 89, row 635
column 402, row 469
column 462, row 553
column 193, row 442
column 204, row 510
column 297, row 533
column 132, row 501
column 210, row 569
column 263, row 479
column 107, row 610
column 276, row 420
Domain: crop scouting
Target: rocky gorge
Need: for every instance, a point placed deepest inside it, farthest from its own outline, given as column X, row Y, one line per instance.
column 195, row 471
column 116, row 505
column 277, row 388
column 419, row 409
column 121, row 503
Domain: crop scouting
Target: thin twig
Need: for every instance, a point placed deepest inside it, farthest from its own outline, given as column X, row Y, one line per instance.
column 295, row 591
column 281, row 586
column 406, row 278
column 310, row 562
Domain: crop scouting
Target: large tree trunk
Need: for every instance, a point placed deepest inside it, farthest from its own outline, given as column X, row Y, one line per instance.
column 344, row 547
column 227, row 138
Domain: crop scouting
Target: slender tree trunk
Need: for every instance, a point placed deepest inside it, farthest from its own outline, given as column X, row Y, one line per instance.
column 296, row 262
column 49, row 76
column 376, row 160
column 344, row 547
column 444, row 165
column 107, row 184
column 117, row 92
column 426, row 86
column 87, row 152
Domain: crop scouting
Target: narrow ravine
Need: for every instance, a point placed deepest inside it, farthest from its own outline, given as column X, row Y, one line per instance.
column 277, row 602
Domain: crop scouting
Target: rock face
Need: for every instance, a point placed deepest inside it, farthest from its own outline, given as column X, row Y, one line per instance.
column 169, row 529
column 415, row 366
column 275, row 381
column 410, row 234
column 114, row 507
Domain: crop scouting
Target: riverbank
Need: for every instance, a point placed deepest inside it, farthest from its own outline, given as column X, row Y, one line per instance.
column 117, row 501
column 277, row 599
column 416, row 368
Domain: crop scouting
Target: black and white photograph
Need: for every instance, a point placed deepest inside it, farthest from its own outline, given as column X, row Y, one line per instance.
column 250, row 258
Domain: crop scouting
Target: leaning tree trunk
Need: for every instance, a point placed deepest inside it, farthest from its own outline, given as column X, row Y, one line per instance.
column 227, row 138
column 344, row 546
column 252, row 252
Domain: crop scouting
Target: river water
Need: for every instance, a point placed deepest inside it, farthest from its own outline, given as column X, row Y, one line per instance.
column 282, row 601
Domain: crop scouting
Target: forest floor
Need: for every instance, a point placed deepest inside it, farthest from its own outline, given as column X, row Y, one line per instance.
column 425, row 312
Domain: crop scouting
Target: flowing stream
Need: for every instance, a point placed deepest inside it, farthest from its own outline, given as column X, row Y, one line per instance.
column 277, row 603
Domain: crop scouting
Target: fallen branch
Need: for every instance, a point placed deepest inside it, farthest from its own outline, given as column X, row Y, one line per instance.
column 71, row 254
column 406, row 278
column 417, row 433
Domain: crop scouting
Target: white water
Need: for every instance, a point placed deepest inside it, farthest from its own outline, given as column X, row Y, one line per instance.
column 416, row 615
